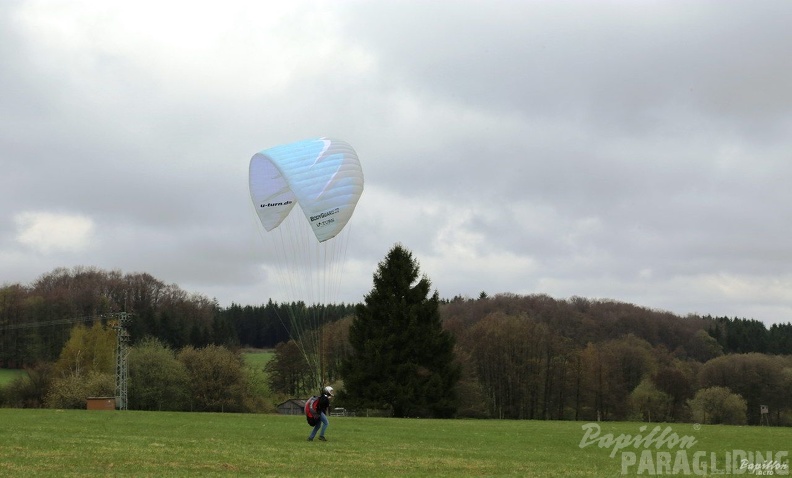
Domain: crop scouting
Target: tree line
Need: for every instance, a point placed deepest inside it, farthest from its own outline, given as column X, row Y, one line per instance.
column 211, row 379
column 515, row 356
column 535, row 357
column 581, row 359
column 161, row 310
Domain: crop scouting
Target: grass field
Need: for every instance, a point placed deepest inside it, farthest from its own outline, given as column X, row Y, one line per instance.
column 258, row 358
column 114, row 443
column 8, row 375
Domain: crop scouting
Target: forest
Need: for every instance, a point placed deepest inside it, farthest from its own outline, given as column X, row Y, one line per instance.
column 520, row 356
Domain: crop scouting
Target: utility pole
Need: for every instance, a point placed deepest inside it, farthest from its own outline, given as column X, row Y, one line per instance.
column 123, row 320
column 122, row 365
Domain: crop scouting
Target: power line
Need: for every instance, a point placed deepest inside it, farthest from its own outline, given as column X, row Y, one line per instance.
column 122, row 322
column 73, row 320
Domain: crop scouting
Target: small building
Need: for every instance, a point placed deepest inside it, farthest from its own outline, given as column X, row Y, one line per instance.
column 100, row 403
column 293, row 406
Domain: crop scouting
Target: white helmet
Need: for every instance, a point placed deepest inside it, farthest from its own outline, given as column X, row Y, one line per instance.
column 328, row 390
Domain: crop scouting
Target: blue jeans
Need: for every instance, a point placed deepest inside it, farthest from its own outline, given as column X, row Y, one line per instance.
column 321, row 423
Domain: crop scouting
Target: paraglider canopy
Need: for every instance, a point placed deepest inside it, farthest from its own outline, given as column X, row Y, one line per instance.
column 323, row 175
column 323, row 178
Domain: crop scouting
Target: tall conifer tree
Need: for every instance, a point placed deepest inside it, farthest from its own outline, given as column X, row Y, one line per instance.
column 403, row 359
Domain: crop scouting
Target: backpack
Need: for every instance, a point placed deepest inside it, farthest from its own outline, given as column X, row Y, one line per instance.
column 311, row 413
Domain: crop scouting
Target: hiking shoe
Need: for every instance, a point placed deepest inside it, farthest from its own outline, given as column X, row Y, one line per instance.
column 322, row 438
column 310, row 439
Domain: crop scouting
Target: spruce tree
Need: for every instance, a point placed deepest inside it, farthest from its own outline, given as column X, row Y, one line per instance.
column 403, row 360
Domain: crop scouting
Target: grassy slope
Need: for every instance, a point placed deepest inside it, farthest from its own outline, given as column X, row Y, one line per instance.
column 83, row 443
column 8, row 375
column 258, row 358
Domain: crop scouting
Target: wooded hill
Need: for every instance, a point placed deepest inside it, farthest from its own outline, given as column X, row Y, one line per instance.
column 593, row 320
column 530, row 356
column 543, row 358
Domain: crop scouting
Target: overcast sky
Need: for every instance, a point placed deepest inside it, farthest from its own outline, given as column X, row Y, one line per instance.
column 639, row 151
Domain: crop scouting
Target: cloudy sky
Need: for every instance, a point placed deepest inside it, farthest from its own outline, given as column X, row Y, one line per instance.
column 632, row 150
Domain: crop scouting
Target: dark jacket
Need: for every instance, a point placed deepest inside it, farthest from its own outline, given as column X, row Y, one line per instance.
column 323, row 404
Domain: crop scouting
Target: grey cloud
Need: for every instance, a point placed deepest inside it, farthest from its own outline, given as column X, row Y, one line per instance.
column 636, row 151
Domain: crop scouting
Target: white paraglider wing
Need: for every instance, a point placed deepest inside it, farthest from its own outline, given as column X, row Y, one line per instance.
column 270, row 192
column 306, row 254
column 323, row 175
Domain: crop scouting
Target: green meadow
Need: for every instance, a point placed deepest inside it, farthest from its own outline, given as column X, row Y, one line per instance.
column 258, row 358
column 8, row 375
column 130, row 443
